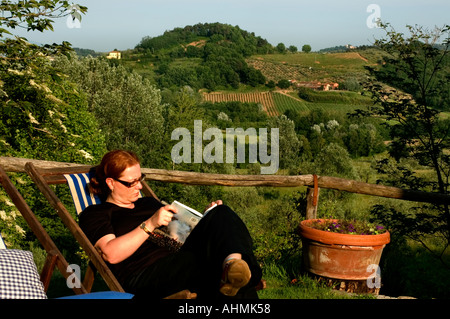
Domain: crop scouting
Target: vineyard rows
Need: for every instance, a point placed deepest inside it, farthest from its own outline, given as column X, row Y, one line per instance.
column 274, row 103
column 266, row 99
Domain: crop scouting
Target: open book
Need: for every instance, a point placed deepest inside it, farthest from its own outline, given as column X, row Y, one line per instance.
column 182, row 223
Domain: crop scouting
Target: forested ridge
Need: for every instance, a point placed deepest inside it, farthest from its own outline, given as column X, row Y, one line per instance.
column 245, row 42
column 217, row 53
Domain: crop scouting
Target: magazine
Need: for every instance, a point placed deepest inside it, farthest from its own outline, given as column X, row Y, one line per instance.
column 182, row 223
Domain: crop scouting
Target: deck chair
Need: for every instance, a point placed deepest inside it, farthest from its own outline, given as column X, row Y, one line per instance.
column 18, row 273
column 54, row 256
column 77, row 179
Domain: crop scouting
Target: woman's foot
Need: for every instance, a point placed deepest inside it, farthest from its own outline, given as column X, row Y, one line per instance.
column 236, row 274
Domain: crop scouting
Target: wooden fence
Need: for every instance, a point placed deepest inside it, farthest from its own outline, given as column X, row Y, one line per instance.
column 313, row 182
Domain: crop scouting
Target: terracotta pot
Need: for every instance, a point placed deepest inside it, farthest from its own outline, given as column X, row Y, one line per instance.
column 341, row 256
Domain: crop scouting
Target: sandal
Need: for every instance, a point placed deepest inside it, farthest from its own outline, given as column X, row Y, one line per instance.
column 236, row 274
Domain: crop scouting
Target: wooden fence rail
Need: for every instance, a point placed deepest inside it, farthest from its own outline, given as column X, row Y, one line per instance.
column 12, row 164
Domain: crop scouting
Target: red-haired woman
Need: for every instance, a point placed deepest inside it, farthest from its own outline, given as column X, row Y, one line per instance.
column 216, row 259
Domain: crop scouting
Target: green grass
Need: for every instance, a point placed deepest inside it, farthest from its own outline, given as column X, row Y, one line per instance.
column 332, row 101
column 281, row 285
column 335, row 96
column 313, row 59
column 311, row 66
column 284, row 103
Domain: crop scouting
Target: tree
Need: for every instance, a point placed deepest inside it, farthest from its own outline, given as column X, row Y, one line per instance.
column 43, row 115
column 17, row 53
column 363, row 140
column 271, row 84
column 127, row 106
column 292, row 49
column 289, row 144
column 35, row 98
column 306, row 48
column 36, row 15
column 284, row 84
column 281, row 48
column 334, row 160
column 44, row 119
column 411, row 72
column 253, row 77
column 182, row 110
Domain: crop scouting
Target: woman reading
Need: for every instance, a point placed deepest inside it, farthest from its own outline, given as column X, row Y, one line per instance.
column 215, row 261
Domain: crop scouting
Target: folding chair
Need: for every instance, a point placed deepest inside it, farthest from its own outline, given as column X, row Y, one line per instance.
column 54, row 256
column 18, row 273
column 77, row 179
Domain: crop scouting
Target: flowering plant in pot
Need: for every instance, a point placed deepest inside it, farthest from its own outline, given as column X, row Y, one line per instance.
column 341, row 249
column 352, row 227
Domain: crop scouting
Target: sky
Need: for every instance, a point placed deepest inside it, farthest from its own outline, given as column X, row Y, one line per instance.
column 114, row 24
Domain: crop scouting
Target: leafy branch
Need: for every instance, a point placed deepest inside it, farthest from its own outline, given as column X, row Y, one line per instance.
column 36, row 15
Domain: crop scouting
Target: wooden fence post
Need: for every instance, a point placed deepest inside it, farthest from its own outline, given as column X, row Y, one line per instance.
column 312, row 199
column 311, row 205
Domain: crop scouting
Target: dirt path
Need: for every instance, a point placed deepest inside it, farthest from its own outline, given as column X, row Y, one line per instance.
column 361, row 57
column 284, row 92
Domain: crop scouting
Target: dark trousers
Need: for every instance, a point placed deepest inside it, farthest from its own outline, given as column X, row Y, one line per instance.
column 197, row 266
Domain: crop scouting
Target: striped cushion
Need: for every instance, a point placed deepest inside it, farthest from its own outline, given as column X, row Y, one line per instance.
column 79, row 188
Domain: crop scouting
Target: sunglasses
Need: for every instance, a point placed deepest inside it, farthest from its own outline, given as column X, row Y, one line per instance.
column 133, row 183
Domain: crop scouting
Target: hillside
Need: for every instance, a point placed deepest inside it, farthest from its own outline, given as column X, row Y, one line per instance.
column 218, row 56
column 323, row 67
column 232, row 64
column 197, row 36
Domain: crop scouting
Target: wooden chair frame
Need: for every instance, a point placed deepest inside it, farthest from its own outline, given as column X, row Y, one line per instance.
column 54, row 257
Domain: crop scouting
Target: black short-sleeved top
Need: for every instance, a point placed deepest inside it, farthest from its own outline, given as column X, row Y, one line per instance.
column 99, row 220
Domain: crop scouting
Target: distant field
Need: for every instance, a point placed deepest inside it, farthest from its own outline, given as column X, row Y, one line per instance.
column 285, row 102
column 266, row 99
column 275, row 103
column 311, row 66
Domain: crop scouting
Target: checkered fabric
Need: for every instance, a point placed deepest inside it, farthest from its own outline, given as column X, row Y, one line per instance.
column 19, row 278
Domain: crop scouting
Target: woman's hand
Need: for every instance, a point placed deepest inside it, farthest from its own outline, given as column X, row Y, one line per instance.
column 162, row 217
column 217, row 202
